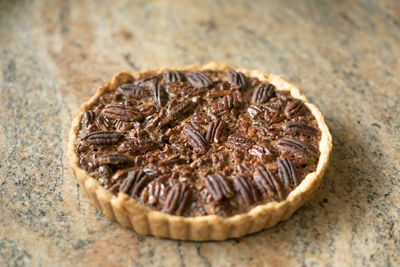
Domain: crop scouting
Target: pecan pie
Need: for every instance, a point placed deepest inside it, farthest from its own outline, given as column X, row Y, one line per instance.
column 199, row 152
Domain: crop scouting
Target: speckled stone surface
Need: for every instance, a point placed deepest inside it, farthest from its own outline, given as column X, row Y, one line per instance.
column 344, row 55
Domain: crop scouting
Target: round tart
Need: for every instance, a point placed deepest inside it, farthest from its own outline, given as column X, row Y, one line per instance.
column 199, row 152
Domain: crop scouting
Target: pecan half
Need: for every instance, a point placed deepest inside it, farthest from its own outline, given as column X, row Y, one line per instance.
column 245, row 189
column 296, row 146
column 133, row 183
column 299, row 128
column 234, row 100
column 153, row 192
column 267, row 184
column 178, row 112
column 295, row 108
column 263, row 151
column 160, row 95
column 138, row 145
column 131, row 90
column 88, row 118
column 287, row 173
column 199, row 79
column 214, row 131
column 103, row 138
column 114, row 159
column 121, row 112
column 177, row 198
column 147, row 109
column 239, row 142
column 173, row 77
column 195, row 139
column 267, row 134
column 237, row 79
column 218, row 187
column 227, row 103
column 262, row 93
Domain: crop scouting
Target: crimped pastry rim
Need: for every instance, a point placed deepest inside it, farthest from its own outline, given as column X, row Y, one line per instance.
column 128, row 212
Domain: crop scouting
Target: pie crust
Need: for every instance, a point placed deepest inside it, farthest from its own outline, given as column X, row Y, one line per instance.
column 130, row 213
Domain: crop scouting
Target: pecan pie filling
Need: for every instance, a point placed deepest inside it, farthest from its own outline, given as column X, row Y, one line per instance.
column 199, row 143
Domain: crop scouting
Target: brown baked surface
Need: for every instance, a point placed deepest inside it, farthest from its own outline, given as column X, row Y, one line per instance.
column 174, row 150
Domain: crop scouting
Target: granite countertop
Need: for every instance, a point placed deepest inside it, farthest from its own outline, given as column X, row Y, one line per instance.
column 342, row 54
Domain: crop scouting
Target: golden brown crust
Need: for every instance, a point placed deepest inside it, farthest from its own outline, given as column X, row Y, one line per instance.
column 143, row 220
